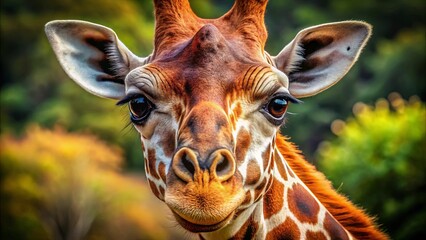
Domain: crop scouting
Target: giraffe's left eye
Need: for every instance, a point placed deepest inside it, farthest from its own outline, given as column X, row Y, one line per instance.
column 277, row 106
column 140, row 108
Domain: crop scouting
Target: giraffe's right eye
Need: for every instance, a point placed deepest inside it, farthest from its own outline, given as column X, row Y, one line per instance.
column 140, row 108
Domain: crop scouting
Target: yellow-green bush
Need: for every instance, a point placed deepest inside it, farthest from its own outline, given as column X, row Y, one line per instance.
column 58, row 185
column 378, row 159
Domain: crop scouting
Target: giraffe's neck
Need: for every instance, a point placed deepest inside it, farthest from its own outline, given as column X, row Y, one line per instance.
column 288, row 210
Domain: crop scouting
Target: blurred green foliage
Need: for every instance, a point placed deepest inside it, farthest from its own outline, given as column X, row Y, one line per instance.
column 378, row 160
column 57, row 185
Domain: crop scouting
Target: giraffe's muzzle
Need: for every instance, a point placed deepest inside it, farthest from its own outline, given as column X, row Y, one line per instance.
column 203, row 193
column 219, row 166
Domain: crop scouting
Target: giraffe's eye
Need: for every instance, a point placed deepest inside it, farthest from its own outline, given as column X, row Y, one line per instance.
column 140, row 108
column 277, row 107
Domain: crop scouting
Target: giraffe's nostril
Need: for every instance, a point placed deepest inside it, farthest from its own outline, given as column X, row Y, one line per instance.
column 223, row 165
column 220, row 164
column 185, row 164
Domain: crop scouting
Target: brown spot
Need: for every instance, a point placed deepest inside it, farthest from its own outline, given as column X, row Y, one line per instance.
column 162, row 191
column 151, row 163
column 334, row 229
column 177, row 110
column 154, row 189
column 287, row 230
column 253, row 173
column 266, row 156
column 146, row 166
column 281, row 168
column 272, row 164
column 162, row 171
column 168, row 144
column 243, row 144
column 238, row 110
column 273, row 199
column 233, row 121
column 248, row 230
column 235, row 115
column 302, row 204
column 260, row 189
column 268, row 185
column 315, row 235
column 290, row 172
column 247, row 199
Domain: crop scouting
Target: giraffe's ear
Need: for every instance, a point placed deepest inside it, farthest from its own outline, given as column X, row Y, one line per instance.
column 92, row 56
column 320, row 56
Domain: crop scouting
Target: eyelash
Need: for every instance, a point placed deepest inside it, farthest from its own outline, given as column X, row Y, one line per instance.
column 275, row 114
column 140, row 107
column 127, row 99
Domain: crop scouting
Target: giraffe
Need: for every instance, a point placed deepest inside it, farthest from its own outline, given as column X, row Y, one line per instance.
column 208, row 104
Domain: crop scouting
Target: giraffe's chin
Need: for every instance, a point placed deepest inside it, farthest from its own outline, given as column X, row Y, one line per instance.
column 196, row 228
column 207, row 216
column 204, row 209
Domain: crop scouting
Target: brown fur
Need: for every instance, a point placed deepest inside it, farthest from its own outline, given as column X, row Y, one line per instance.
column 302, row 204
column 271, row 205
column 355, row 220
column 247, row 231
column 315, row 235
column 285, row 231
column 253, row 173
column 176, row 23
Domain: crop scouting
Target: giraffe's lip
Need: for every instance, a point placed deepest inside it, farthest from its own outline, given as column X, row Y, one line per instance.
column 194, row 227
column 204, row 208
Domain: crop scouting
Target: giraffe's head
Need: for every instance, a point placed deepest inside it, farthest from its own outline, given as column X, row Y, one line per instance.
column 209, row 100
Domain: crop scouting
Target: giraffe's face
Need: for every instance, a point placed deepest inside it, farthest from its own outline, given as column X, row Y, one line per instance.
column 207, row 117
column 208, row 102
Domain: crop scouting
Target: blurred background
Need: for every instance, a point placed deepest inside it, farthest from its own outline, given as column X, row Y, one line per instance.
column 72, row 168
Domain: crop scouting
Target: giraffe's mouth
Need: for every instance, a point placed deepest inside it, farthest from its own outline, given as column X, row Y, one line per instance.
column 194, row 227
column 203, row 209
column 206, row 216
column 206, row 205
